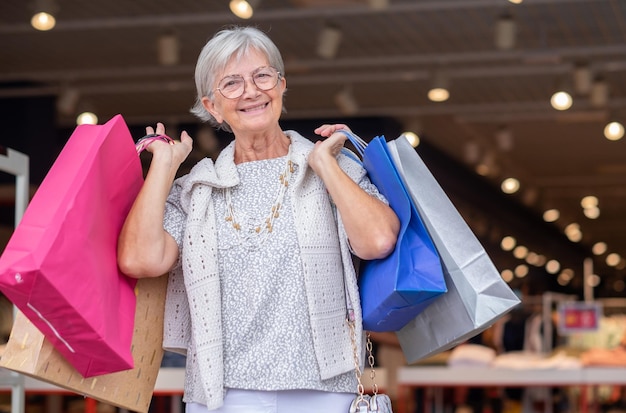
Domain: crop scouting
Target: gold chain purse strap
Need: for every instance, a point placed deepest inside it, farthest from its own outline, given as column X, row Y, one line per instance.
column 364, row 403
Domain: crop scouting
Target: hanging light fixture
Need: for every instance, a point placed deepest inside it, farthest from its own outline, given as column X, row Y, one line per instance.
column 168, row 49
column 599, row 93
column 43, row 17
column 582, row 78
column 439, row 92
column 244, row 9
column 328, row 41
column 378, row 4
column 505, row 32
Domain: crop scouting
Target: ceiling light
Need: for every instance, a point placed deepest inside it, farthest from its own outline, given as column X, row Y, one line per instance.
column 412, row 137
column 541, row 260
column 482, row 169
column 328, row 41
column 439, row 92
column 242, row 8
column 553, row 266
column 561, row 100
column 521, row 271
column 551, row 215
column 510, row 186
column 563, row 281
column 567, row 274
column 589, row 201
column 507, row 275
column 614, row 131
column 599, row 248
column 575, row 236
column 520, row 252
column 505, row 31
column 87, row 118
column 532, row 258
column 168, row 49
column 516, row 1
column 573, row 233
column 488, row 165
column 593, row 280
column 592, row 212
column 43, row 18
column 613, row 259
column 508, row 243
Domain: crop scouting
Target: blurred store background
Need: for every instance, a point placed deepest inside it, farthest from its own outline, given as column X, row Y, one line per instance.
column 517, row 107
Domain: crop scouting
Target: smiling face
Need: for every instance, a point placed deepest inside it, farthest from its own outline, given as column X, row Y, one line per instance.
column 255, row 110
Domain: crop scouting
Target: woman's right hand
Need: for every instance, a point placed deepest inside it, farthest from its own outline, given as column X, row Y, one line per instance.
column 144, row 248
column 174, row 151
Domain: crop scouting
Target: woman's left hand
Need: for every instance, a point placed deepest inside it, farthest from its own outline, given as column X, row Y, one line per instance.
column 327, row 149
column 371, row 225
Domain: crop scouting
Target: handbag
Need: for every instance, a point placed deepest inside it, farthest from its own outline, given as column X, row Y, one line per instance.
column 477, row 295
column 59, row 267
column 393, row 290
column 29, row 352
column 366, row 403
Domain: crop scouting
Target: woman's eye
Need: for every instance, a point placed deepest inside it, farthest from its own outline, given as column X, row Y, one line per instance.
column 231, row 83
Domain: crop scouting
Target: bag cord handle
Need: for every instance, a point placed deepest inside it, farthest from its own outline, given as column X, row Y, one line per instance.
column 357, row 141
column 144, row 142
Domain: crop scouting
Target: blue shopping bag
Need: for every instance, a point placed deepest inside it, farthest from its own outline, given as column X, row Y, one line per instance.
column 394, row 290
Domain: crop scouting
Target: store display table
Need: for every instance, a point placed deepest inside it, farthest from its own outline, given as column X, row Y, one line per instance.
column 442, row 376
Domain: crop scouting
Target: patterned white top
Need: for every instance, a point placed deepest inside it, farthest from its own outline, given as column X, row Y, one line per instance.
column 267, row 334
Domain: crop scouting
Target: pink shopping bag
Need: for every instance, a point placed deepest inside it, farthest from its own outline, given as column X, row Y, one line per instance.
column 60, row 268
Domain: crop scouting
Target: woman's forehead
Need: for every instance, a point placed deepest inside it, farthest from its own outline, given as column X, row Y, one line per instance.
column 244, row 60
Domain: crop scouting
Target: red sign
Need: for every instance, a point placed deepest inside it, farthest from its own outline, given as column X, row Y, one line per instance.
column 579, row 316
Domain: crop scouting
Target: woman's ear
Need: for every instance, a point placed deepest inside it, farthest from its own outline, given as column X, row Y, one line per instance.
column 210, row 107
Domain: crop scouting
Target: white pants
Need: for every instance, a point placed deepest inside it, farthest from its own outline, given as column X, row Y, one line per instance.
column 286, row 401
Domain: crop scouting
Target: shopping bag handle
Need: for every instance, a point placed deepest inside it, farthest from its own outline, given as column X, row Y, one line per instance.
column 357, row 141
column 144, row 142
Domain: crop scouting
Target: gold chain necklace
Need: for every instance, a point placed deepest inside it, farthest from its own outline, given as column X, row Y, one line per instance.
column 264, row 227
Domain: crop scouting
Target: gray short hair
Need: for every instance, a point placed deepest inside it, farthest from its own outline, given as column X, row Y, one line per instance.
column 234, row 42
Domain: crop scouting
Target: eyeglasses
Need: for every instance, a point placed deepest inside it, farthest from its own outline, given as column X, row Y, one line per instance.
column 264, row 78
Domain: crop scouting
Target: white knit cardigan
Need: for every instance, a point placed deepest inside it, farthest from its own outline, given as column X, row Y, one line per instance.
column 193, row 318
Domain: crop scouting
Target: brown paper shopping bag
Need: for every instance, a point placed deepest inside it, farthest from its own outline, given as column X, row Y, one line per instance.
column 30, row 353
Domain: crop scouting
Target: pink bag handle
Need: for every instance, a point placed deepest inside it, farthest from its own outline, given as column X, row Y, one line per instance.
column 143, row 143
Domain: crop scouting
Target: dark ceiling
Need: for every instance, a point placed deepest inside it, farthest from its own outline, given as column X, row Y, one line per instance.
column 498, row 112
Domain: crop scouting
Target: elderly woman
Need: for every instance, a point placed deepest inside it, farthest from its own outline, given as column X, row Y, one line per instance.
column 258, row 245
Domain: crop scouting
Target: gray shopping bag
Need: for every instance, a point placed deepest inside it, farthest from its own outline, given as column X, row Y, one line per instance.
column 477, row 295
